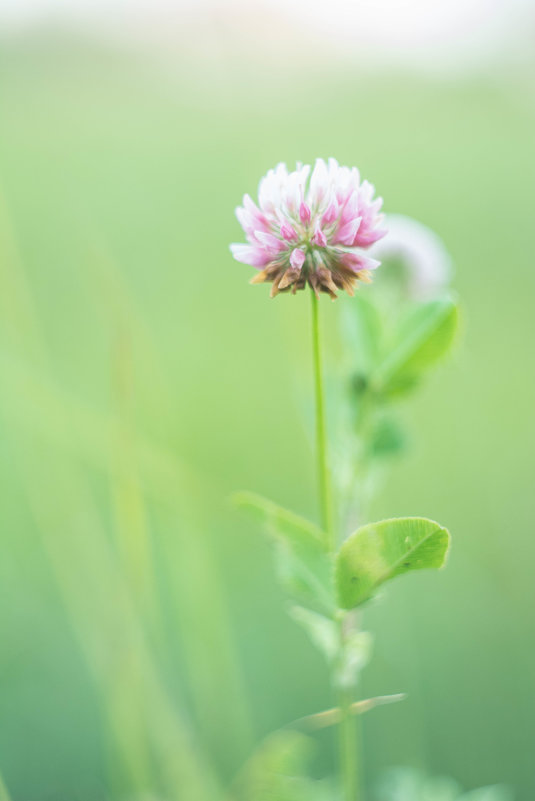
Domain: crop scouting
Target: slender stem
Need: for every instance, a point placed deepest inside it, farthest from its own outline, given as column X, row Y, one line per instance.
column 348, row 748
column 347, row 728
column 321, row 432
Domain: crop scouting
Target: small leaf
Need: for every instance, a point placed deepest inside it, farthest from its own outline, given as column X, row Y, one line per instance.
column 304, row 565
column 276, row 772
column 322, row 631
column 387, row 438
column 406, row 784
column 361, row 331
column 354, row 656
column 296, row 529
column 380, row 551
column 424, row 338
column 497, row 792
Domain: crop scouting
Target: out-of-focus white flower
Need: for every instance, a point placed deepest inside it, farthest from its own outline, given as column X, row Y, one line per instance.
column 422, row 253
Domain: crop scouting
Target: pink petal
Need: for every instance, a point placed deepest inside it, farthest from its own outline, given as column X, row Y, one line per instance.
column 319, row 238
column 270, row 242
column 246, row 221
column 358, row 261
column 331, row 213
column 367, row 238
column 297, row 258
column 258, row 220
column 319, row 183
column 304, row 213
column 346, row 234
column 248, row 254
column 288, row 231
column 350, row 210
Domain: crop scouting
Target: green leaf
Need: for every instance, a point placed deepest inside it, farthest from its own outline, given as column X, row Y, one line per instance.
column 424, row 337
column 323, row 631
column 275, row 772
column 303, row 562
column 361, row 331
column 354, row 656
column 406, row 784
column 496, row 792
column 380, row 551
column 299, row 531
column 387, row 438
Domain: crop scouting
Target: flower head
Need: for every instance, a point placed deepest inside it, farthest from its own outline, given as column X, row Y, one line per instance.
column 427, row 263
column 310, row 228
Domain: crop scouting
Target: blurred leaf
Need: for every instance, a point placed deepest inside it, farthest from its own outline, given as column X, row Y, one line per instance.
column 360, row 325
column 275, row 772
column 297, row 530
column 348, row 658
column 387, row 438
column 380, row 551
column 497, row 792
column 406, row 784
column 354, row 656
column 304, row 565
column 424, row 337
column 322, row 630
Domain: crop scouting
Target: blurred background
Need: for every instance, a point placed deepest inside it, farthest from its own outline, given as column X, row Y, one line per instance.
column 145, row 647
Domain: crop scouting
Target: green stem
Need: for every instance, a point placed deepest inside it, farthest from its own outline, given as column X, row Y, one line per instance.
column 347, row 728
column 348, row 748
column 327, row 520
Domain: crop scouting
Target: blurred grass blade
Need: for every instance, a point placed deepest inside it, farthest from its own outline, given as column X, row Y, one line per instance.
column 131, row 517
column 154, row 746
column 111, row 634
column 18, row 319
column 4, row 795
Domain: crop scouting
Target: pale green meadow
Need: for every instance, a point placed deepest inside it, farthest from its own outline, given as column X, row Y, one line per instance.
column 146, row 649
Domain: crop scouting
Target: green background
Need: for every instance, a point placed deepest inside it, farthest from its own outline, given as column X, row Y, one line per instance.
column 143, row 380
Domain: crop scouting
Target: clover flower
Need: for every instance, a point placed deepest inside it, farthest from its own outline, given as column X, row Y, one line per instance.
column 423, row 255
column 311, row 228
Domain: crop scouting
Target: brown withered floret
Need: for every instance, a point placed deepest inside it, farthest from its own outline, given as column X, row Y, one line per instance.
column 320, row 279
